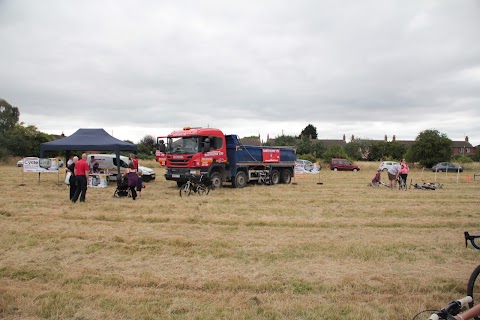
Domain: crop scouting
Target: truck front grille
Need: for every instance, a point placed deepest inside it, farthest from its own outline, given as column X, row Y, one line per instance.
column 179, row 162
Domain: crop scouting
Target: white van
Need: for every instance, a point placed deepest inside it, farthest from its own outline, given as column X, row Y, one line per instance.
column 109, row 162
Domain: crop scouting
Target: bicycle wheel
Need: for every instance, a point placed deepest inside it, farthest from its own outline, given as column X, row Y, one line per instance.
column 473, row 289
column 202, row 190
column 185, row 190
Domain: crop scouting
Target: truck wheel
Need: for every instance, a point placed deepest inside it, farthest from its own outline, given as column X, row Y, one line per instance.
column 216, row 179
column 240, row 180
column 275, row 177
column 335, row 169
column 286, row 176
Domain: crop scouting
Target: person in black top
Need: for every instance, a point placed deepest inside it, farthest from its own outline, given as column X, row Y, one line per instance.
column 73, row 180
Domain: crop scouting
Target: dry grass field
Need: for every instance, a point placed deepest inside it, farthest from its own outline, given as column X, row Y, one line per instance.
column 340, row 250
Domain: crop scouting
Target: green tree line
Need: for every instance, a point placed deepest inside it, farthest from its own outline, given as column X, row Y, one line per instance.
column 429, row 148
column 20, row 140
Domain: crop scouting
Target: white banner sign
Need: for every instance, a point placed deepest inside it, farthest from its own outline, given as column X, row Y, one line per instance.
column 300, row 169
column 32, row 164
column 96, row 180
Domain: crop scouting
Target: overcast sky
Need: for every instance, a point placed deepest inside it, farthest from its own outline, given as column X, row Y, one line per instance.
column 363, row 68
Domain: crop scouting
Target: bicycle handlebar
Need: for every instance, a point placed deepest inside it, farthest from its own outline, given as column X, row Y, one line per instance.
column 453, row 308
column 471, row 238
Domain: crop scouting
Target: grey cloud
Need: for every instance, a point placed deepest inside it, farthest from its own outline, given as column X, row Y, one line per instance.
column 360, row 65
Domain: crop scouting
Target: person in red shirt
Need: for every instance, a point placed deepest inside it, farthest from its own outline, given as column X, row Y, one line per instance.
column 134, row 159
column 81, row 173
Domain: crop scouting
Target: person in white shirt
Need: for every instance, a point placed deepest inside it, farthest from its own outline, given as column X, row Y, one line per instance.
column 393, row 173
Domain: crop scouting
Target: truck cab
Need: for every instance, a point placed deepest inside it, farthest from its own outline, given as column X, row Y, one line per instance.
column 194, row 152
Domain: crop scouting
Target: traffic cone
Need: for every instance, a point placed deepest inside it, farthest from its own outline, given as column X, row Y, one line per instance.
column 468, row 178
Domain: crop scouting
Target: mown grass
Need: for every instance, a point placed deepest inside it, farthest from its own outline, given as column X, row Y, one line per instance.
column 337, row 250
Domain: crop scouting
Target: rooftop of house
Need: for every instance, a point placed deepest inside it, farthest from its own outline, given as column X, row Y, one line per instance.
column 251, row 141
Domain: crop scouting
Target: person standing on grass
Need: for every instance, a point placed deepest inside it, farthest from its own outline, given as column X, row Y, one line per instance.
column 134, row 160
column 404, row 170
column 393, row 174
column 73, row 179
column 132, row 177
column 81, row 172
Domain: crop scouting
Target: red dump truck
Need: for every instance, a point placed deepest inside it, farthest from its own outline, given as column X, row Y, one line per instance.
column 193, row 152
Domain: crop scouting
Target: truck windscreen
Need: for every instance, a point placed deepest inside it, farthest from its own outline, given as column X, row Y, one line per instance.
column 182, row 145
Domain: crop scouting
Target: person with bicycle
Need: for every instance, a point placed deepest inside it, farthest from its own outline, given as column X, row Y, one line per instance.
column 404, row 171
column 393, row 174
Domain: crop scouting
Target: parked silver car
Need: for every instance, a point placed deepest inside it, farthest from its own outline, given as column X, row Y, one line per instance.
column 446, row 167
column 385, row 165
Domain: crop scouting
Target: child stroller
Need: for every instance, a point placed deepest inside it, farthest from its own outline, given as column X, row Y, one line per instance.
column 122, row 189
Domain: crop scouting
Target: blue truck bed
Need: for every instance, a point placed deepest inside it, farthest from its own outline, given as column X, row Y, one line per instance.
column 242, row 155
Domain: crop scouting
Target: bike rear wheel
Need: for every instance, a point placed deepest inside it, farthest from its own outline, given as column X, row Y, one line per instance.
column 185, row 190
column 202, row 190
column 473, row 288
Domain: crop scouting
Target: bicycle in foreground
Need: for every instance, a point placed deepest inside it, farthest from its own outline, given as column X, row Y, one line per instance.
column 473, row 293
column 473, row 287
column 199, row 186
column 448, row 312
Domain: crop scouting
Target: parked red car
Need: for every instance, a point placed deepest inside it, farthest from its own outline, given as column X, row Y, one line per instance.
column 338, row 164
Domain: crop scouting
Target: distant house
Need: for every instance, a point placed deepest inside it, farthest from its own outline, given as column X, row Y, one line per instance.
column 406, row 143
column 325, row 142
column 333, row 142
column 58, row 136
column 463, row 148
column 251, row 141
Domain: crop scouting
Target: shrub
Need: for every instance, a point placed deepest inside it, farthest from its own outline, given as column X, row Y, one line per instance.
column 334, row 152
column 463, row 159
column 310, row 157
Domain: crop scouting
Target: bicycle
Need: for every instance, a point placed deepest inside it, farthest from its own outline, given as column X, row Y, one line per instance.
column 264, row 178
column 426, row 185
column 473, row 287
column 435, row 185
column 384, row 184
column 452, row 309
column 199, row 187
column 402, row 184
